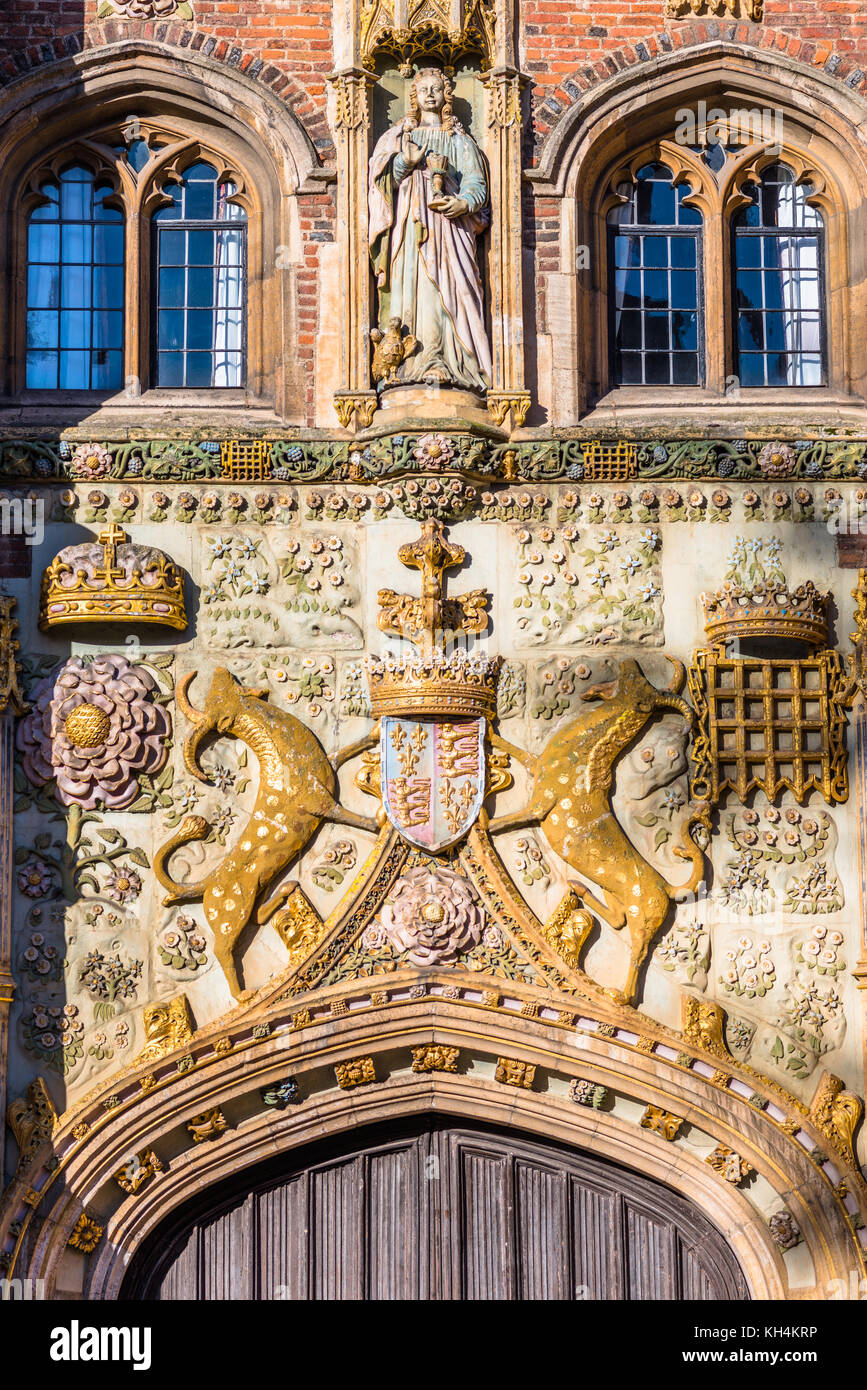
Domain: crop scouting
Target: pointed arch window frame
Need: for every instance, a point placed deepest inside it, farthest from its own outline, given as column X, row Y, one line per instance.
column 718, row 199
column 138, row 194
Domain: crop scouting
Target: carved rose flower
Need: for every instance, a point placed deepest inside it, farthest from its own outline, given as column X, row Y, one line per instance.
column 95, row 729
column 35, row 880
column 90, row 461
column 433, row 915
column 777, row 460
column 434, row 451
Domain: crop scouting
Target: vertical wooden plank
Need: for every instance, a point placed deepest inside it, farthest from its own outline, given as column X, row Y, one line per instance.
column 486, row 1182
column 283, row 1255
column 597, row 1242
column 181, row 1280
column 695, row 1283
column 440, row 1269
column 336, row 1256
column 391, row 1237
column 226, row 1254
column 543, row 1235
column 652, row 1257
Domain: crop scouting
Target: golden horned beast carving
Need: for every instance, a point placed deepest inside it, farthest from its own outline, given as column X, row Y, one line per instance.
column 297, row 791
column 570, row 801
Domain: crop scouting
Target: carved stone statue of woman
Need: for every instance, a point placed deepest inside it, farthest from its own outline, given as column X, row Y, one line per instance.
column 428, row 197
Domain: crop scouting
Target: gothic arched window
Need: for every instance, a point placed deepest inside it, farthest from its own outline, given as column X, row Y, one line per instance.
column 135, row 265
column 654, row 259
column 778, row 294
column 75, row 285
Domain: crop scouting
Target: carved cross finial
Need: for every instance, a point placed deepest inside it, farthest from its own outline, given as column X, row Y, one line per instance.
column 110, row 539
column 425, row 621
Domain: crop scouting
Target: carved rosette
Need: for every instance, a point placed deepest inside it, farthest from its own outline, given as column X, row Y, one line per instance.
column 96, row 728
column 433, row 915
column 513, row 1072
column 662, row 1122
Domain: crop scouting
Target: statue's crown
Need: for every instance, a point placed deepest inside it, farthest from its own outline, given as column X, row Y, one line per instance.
column 442, row 679
column 768, row 608
column 112, row 580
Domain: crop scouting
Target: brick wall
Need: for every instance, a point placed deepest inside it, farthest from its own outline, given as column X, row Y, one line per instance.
column 566, row 46
column 558, row 36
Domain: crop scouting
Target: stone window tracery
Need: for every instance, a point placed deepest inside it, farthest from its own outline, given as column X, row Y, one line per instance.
column 749, row 314
column 135, row 253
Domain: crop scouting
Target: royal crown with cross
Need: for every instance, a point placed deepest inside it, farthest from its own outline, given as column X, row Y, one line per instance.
column 112, row 580
column 442, row 679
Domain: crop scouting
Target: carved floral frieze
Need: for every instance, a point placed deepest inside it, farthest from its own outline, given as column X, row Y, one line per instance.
column 590, row 586
column 539, row 460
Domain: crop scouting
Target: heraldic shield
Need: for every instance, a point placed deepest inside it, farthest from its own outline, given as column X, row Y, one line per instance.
column 433, row 778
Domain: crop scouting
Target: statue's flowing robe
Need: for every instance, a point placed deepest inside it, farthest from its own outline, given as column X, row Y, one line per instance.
column 425, row 263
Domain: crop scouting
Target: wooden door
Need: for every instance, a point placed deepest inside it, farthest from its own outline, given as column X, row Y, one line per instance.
column 438, row 1212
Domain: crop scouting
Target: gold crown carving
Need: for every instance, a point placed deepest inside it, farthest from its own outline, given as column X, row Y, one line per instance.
column 435, row 681
column 768, row 608
column 457, row 685
column 112, row 580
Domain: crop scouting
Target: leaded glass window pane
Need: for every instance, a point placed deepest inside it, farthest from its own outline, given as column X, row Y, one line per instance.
column 778, row 250
column 654, row 287
column 201, row 284
column 75, row 287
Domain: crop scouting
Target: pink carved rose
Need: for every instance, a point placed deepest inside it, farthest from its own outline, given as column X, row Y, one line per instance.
column 434, row 451
column 90, row 461
column 777, row 460
column 433, row 914
column 95, row 728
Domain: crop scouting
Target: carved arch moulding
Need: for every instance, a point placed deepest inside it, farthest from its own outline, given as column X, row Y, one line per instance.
column 101, row 1178
column 721, row 71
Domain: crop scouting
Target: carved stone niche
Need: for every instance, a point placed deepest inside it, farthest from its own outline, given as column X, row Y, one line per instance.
column 443, row 29
column 402, row 352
